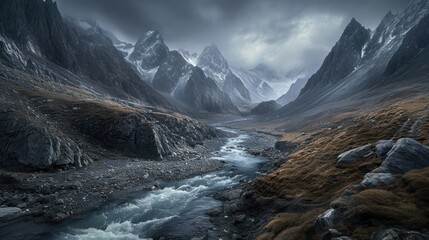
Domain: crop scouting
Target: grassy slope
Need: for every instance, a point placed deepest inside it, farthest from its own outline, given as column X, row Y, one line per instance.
column 311, row 175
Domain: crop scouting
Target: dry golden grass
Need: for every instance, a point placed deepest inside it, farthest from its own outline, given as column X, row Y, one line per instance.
column 310, row 172
column 291, row 226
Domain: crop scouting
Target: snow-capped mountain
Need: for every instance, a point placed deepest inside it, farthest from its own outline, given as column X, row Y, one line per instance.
column 190, row 58
column 363, row 61
column 258, row 84
column 216, row 67
column 202, row 93
column 173, row 74
column 170, row 72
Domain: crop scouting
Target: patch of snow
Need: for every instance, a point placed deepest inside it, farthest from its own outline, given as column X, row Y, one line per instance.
column 84, row 25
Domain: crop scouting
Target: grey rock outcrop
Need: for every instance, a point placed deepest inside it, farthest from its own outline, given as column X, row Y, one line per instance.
column 383, row 147
column 376, row 179
column 353, row 154
column 9, row 211
column 26, row 142
column 406, row 154
column 398, row 234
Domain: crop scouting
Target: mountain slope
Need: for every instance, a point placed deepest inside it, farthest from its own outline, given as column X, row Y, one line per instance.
column 364, row 74
column 343, row 58
column 80, row 48
column 293, row 92
column 68, row 97
column 201, row 92
column 216, row 67
column 257, row 84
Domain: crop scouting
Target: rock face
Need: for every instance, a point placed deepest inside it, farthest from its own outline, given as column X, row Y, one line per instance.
column 216, row 67
column 406, row 154
column 354, row 154
column 343, row 58
column 376, row 179
column 203, row 93
column 265, row 107
column 38, row 30
column 27, row 142
column 398, row 234
column 150, row 49
column 8, row 211
column 145, row 135
column 171, row 73
column 257, row 82
column 416, row 40
column 383, row 147
column 293, row 92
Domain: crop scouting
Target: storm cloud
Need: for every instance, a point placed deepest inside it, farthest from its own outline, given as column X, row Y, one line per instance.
column 285, row 34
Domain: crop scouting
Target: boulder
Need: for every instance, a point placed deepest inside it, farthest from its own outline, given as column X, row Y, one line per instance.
column 376, row 179
column 383, row 147
column 9, row 211
column 406, row 154
column 398, row 234
column 354, row 154
column 326, row 220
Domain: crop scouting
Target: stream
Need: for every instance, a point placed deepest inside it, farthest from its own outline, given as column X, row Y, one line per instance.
column 177, row 210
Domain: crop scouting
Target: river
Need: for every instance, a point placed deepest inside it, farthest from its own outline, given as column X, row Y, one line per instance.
column 176, row 210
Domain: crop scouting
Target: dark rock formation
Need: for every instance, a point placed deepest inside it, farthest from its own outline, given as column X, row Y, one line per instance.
column 343, row 58
column 174, row 68
column 265, row 107
column 203, row 93
column 406, row 154
column 416, row 40
column 354, row 154
column 150, row 49
column 383, row 147
column 25, row 141
column 397, row 234
column 37, row 28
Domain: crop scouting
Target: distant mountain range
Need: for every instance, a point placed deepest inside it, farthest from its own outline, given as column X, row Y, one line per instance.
column 169, row 71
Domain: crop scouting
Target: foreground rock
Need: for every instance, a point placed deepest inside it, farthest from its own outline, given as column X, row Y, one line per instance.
column 398, row 234
column 377, row 179
column 9, row 211
column 354, row 154
column 405, row 155
column 383, row 147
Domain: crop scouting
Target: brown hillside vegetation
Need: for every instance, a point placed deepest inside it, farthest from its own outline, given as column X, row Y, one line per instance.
column 310, row 174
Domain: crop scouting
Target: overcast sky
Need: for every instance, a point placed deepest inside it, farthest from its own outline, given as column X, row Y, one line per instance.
column 284, row 34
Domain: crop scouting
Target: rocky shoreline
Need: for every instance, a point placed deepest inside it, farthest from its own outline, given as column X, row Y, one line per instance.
column 55, row 196
column 242, row 212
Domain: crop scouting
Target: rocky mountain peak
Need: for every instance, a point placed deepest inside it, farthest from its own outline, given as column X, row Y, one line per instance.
column 150, row 49
column 212, row 57
column 343, row 58
column 353, row 29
